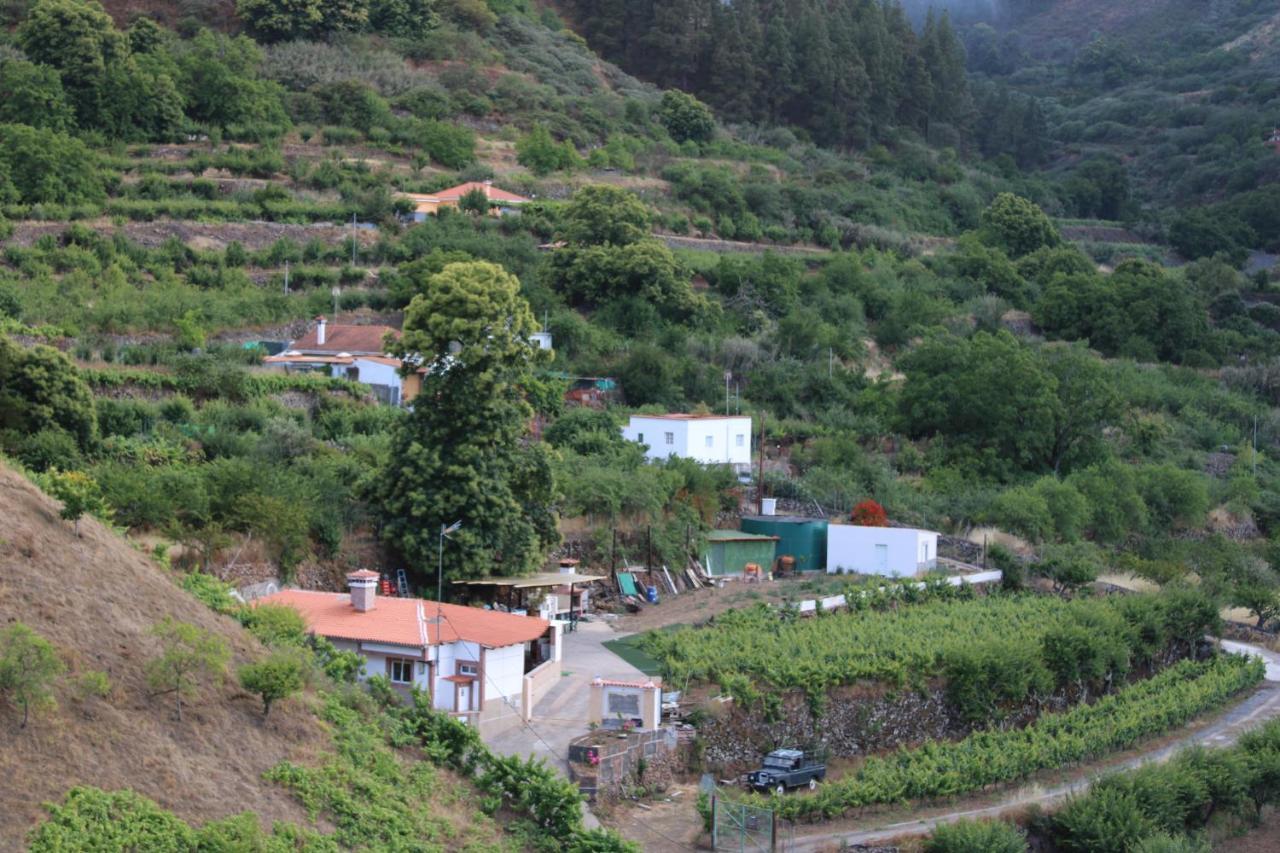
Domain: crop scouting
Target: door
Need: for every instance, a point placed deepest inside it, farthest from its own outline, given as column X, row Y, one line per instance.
column 464, row 697
column 882, row 559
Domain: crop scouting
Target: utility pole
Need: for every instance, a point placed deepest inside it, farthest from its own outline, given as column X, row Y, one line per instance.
column 353, row 239
column 760, row 482
column 286, row 278
column 831, row 360
column 1255, row 445
column 727, row 376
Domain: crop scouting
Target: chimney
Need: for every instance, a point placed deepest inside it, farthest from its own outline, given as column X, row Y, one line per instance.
column 364, row 589
column 320, row 331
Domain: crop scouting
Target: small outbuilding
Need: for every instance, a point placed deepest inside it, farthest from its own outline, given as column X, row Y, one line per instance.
column 893, row 552
column 730, row 551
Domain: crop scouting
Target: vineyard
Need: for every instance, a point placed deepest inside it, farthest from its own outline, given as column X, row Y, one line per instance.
column 994, row 757
column 1070, row 641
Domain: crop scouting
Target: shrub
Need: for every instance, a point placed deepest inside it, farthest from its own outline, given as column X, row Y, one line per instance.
column 278, row 677
column 275, row 624
column 967, row 836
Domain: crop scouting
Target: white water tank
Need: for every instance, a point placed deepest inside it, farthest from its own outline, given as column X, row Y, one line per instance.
column 768, row 506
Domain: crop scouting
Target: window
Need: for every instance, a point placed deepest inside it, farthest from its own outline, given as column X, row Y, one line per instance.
column 740, row 440
column 640, row 437
column 468, row 668
column 671, row 437
column 400, row 670
column 710, row 441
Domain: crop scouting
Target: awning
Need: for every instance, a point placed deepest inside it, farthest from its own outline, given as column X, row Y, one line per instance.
column 538, row 581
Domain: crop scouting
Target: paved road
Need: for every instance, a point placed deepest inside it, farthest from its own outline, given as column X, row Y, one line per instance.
column 1262, row 705
column 561, row 715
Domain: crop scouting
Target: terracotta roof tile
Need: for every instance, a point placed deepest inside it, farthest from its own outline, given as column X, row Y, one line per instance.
column 406, row 621
column 355, row 340
column 491, row 192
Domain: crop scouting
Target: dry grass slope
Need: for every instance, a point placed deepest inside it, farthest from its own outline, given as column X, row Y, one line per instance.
column 95, row 599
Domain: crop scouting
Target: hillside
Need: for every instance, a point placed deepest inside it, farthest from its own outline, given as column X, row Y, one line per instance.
column 95, row 598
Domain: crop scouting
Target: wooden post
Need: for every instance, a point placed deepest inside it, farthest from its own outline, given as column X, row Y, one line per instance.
column 648, row 547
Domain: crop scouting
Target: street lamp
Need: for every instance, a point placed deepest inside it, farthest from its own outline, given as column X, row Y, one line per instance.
column 444, row 532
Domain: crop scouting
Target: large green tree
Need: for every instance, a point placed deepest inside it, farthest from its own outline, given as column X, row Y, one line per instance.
column 463, row 453
column 988, row 396
column 41, row 389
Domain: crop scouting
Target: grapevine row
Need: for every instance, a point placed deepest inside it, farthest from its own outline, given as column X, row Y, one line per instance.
column 994, row 757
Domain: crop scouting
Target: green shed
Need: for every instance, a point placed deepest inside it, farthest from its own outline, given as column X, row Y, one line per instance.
column 729, row 551
column 804, row 539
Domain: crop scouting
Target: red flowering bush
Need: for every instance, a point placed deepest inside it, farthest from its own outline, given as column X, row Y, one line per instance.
column 869, row 514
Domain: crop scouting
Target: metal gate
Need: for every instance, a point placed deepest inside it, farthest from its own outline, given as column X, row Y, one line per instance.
column 741, row 827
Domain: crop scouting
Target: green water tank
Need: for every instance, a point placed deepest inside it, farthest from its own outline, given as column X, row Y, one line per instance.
column 803, row 539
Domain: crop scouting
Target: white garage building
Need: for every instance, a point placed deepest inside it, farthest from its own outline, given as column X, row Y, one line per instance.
column 893, row 552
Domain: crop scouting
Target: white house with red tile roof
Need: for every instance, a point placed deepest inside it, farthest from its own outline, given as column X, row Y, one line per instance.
column 709, row 439
column 353, row 352
column 485, row 667
column 501, row 202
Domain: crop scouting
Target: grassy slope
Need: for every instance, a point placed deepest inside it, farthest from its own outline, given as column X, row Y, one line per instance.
column 95, row 598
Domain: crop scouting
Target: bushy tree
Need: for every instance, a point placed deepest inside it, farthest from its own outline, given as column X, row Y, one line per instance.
column 188, row 654
column 685, row 117
column 28, row 666
column 989, row 394
column 220, row 84
column 41, row 389
column 1017, row 226
column 282, row 20
column 277, row 677
column 538, row 152
column 43, row 165
column 599, row 214
column 462, row 457
column 32, row 94
column 79, row 494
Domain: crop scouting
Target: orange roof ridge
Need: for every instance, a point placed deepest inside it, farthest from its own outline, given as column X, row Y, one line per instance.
column 407, row 621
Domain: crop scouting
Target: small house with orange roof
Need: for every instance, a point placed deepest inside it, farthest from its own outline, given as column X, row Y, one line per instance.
column 501, row 202
column 353, row 352
column 484, row 667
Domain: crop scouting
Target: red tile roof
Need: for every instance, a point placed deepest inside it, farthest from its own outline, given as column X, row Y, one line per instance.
column 406, row 621
column 355, row 340
column 491, row 192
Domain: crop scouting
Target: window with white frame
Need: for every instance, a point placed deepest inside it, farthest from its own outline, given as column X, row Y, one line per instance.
column 400, row 670
column 671, row 437
column 741, row 440
column 468, row 668
column 711, row 442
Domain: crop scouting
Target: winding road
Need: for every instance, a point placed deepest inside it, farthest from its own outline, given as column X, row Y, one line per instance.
column 1257, row 708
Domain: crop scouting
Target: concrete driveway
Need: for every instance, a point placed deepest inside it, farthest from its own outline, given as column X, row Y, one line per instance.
column 561, row 715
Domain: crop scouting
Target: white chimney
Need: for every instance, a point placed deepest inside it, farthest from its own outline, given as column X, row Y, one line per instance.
column 320, row 331
column 364, row 589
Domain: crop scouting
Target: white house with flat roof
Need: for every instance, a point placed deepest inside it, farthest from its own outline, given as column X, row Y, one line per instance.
column 895, row 552
column 710, row 439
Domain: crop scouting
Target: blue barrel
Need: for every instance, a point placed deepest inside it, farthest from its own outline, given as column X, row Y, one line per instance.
column 651, row 593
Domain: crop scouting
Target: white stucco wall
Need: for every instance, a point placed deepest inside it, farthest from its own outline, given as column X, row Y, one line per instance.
column 710, row 440
column 888, row 551
column 504, row 672
column 371, row 373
